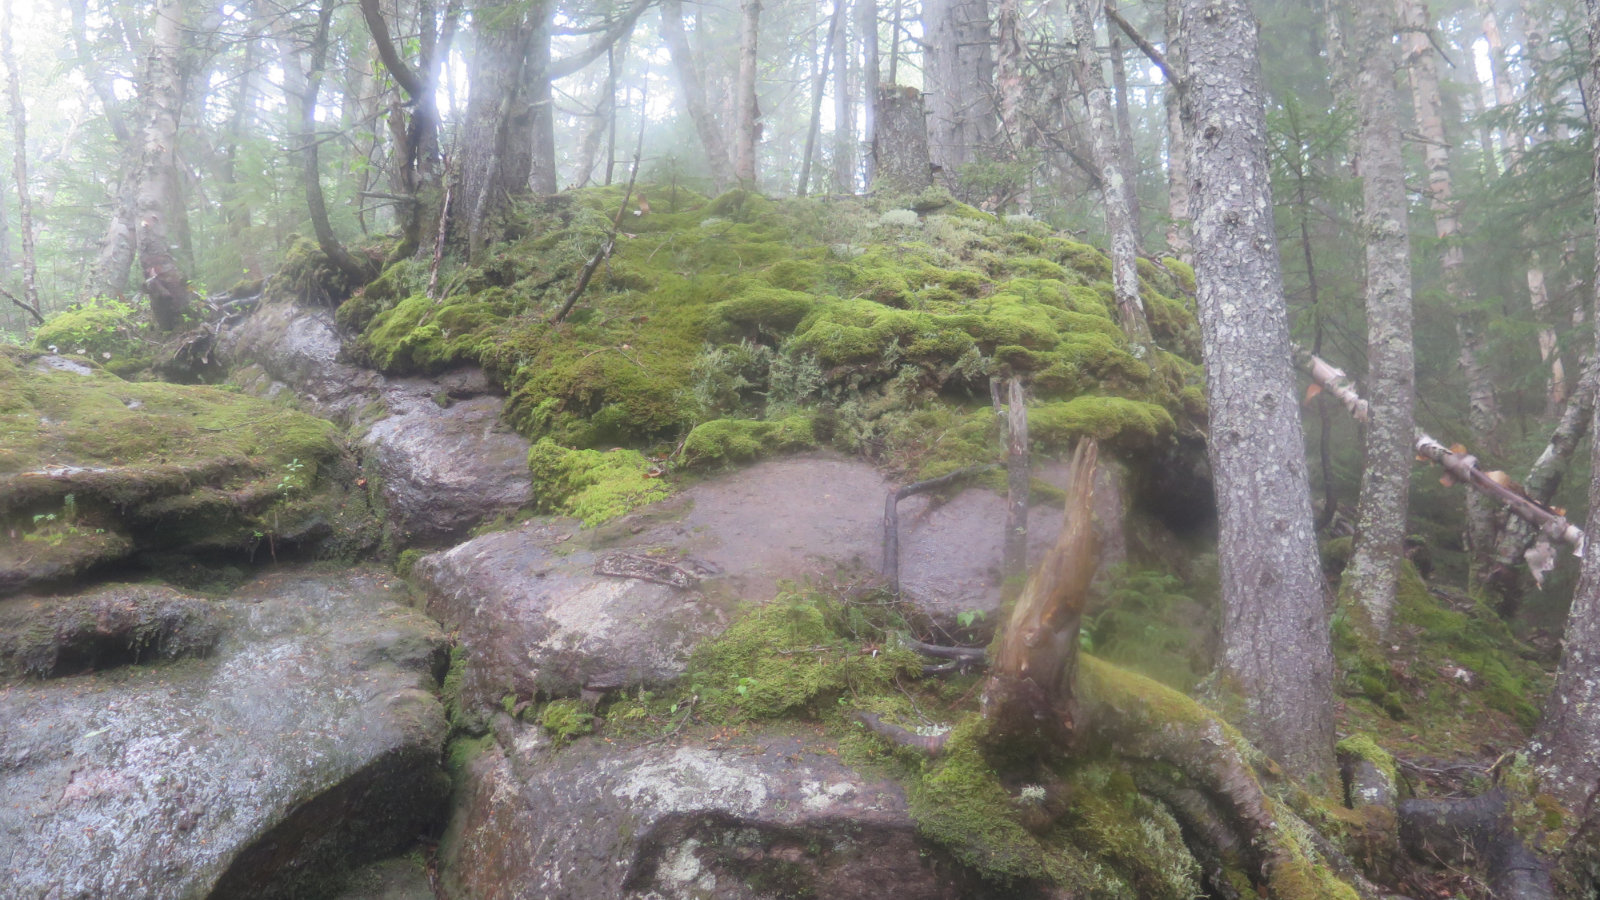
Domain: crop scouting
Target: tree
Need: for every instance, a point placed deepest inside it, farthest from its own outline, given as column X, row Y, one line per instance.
column 692, row 86
column 1374, row 570
column 160, row 101
column 1567, row 744
column 19, row 154
column 958, row 74
column 1276, row 650
column 747, row 112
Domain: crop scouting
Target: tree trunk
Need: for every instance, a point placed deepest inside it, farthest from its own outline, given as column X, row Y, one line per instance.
column 1177, row 147
column 747, row 111
column 867, row 32
column 19, row 156
column 1374, row 571
column 1483, row 407
column 1113, row 178
column 302, row 88
column 541, row 176
column 1276, row 649
column 496, row 154
column 1014, row 548
column 958, row 73
column 1031, row 681
column 1567, row 744
column 1125, row 151
column 844, row 125
column 820, row 84
column 900, row 149
column 164, row 282
column 694, row 94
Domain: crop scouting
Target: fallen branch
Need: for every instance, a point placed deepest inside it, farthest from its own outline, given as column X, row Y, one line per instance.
column 38, row 317
column 1461, row 467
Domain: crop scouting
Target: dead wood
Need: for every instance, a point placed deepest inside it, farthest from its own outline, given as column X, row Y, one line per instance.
column 891, row 517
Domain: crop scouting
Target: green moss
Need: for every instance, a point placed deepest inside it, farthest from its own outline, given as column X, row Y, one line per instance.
column 590, row 485
column 787, row 658
column 734, row 440
column 960, row 803
column 104, row 330
column 1055, row 426
column 770, row 310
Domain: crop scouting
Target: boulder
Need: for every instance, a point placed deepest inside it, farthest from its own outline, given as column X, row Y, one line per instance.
column 774, row 817
column 537, row 616
column 444, row 460
column 434, row 446
column 299, row 741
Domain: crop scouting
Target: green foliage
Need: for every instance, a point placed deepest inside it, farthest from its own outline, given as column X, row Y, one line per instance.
column 566, row 719
column 590, row 485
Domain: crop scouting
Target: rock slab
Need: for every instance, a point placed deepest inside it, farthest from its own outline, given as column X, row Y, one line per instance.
column 307, row 743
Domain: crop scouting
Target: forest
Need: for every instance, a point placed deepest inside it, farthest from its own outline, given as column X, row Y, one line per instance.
column 474, row 449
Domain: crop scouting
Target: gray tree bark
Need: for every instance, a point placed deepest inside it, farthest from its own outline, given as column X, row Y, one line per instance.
column 1374, row 570
column 1276, row 649
column 496, row 154
column 844, row 119
column 867, row 31
column 1483, row 406
column 1177, row 147
column 1113, row 176
column 900, row 161
column 718, row 156
column 164, row 283
column 19, row 167
column 1567, row 743
column 958, row 74
column 747, row 112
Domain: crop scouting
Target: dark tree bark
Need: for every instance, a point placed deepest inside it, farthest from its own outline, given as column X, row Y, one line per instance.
column 958, row 72
column 718, row 157
column 164, row 282
column 1373, row 575
column 1276, row 649
column 900, row 163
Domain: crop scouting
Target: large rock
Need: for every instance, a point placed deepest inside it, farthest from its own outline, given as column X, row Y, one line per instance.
column 777, row 819
column 534, row 617
column 306, row 743
column 435, row 446
column 446, row 464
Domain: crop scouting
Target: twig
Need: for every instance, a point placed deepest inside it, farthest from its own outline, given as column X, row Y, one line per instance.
column 891, row 518
column 38, row 318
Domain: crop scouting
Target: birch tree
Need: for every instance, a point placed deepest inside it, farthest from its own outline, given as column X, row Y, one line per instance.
column 1275, row 646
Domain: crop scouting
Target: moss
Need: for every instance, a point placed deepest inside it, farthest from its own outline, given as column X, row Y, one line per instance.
column 306, row 275
column 1362, row 746
column 590, row 485
column 770, row 310
column 105, row 330
column 566, row 719
column 960, row 803
column 786, row 658
column 735, row 440
column 1113, row 420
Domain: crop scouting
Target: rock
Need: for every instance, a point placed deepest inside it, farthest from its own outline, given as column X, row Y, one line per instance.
column 299, row 347
column 446, row 466
column 436, row 446
column 306, row 745
column 391, row 879
column 535, row 619
column 777, row 819
column 104, row 629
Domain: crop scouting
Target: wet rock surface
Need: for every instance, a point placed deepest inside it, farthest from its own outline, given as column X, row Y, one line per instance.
column 306, row 744
column 441, row 458
column 534, row 617
column 118, row 625
column 773, row 817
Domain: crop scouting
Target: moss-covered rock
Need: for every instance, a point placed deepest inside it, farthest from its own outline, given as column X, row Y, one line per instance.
column 590, row 485
column 739, row 440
